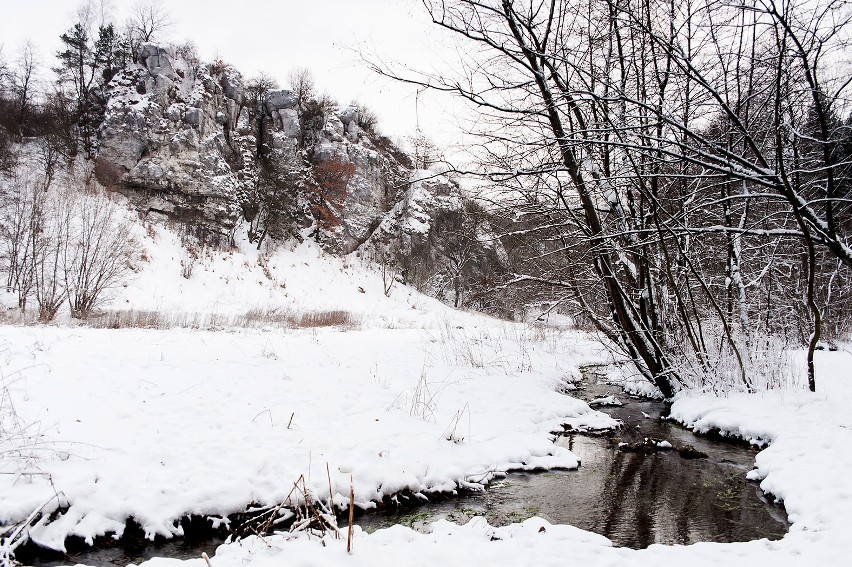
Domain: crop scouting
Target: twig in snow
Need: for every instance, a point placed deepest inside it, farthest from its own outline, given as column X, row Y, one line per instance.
column 351, row 514
column 330, row 495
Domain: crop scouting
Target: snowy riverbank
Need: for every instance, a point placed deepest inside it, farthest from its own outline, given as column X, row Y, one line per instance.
column 157, row 424
column 807, row 464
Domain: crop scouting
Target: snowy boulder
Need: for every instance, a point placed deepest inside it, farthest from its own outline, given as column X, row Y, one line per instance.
column 194, row 117
column 232, row 87
column 278, row 100
column 353, row 132
column 349, row 118
column 148, row 49
column 647, row 446
column 158, row 59
column 333, row 129
column 348, row 114
column 608, row 401
column 287, row 120
column 175, row 111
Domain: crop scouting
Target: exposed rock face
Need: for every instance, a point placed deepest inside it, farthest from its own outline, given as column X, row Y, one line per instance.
column 162, row 128
column 438, row 241
column 376, row 182
column 184, row 142
column 188, row 142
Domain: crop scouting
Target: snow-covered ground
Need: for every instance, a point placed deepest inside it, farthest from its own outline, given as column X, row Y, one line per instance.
column 807, row 464
column 154, row 424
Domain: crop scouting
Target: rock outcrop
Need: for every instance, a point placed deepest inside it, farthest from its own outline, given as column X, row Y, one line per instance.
column 195, row 144
column 439, row 241
column 182, row 139
column 164, row 130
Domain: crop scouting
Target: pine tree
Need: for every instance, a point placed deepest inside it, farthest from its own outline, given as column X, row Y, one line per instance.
column 77, row 67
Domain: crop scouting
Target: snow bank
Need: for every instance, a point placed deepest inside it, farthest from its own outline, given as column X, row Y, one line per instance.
column 808, row 459
column 157, row 424
column 807, row 464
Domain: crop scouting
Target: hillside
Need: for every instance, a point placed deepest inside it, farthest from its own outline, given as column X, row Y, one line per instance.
column 199, row 146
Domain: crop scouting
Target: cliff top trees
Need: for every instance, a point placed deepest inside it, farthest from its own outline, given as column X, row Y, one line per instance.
column 302, row 84
column 257, row 89
column 94, row 49
column 148, row 21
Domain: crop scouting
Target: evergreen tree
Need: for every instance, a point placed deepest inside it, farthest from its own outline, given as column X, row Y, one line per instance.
column 77, row 67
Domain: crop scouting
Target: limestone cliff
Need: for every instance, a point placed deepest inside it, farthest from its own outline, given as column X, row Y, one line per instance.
column 198, row 145
column 182, row 139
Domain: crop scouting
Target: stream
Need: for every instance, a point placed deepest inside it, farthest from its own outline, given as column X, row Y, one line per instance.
column 634, row 498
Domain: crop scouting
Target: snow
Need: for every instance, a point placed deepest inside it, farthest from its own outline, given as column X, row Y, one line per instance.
column 297, row 278
column 807, row 461
column 164, row 423
column 806, row 464
column 155, row 424
column 606, row 401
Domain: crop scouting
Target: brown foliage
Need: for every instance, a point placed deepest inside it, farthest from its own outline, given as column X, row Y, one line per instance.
column 108, row 174
column 333, row 176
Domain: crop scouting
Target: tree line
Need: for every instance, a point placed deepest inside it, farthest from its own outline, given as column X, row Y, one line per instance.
column 674, row 173
column 62, row 240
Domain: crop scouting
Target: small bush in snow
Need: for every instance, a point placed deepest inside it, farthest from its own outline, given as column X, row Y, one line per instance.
column 98, row 253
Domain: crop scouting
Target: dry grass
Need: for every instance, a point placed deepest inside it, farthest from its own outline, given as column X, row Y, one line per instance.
column 251, row 319
column 16, row 317
column 332, row 318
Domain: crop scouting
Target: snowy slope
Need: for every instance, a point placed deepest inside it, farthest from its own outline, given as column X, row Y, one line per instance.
column 292, row 278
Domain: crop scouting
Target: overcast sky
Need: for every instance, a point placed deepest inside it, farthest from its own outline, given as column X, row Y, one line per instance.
column 276, row 36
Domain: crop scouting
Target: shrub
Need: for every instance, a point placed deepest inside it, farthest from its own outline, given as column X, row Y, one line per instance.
column 97, row 253
column 367, row 119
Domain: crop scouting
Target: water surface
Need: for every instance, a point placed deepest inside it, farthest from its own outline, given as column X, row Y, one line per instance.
column 634, row 499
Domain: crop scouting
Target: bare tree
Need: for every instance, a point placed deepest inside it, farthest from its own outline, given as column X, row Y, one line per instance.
column 424, row 152
column 3, row 66
column 49, row 243
column 21, row 215
column 656, row 151
column 257, row 90
column 7, row 153
column 97, row 253
column 302, row 84
column 149, row 20
column 24, row 79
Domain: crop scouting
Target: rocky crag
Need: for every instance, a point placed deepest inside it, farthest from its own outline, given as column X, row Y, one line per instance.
column 194, row 143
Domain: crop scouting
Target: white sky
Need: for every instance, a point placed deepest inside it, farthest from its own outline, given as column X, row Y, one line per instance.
column 276, row 36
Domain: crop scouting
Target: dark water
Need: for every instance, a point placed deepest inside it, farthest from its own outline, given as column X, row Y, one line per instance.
column 129, row 549
column 634, row 499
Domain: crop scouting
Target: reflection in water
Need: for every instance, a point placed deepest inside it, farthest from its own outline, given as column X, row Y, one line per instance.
column 634, row 499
